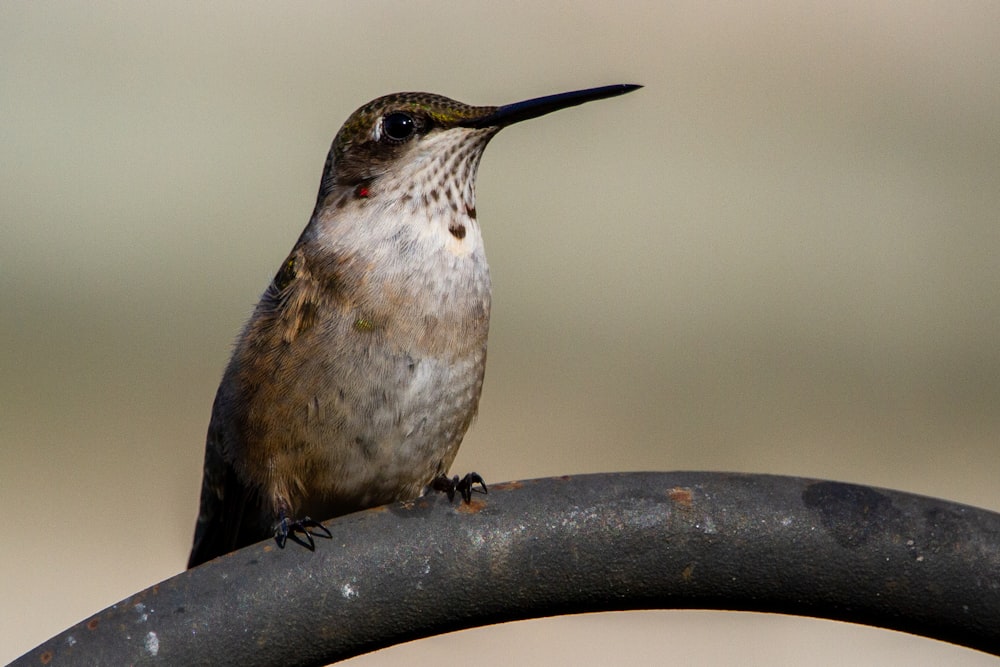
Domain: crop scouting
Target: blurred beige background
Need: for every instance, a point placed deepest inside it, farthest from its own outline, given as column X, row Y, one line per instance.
column 780, row 256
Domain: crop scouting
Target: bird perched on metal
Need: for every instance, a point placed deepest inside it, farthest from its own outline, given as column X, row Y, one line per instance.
column 360, row 370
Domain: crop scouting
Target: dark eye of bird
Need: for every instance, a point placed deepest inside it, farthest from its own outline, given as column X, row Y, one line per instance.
column 398, row 126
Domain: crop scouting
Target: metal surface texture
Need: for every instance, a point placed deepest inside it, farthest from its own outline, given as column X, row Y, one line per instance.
column 684, row 540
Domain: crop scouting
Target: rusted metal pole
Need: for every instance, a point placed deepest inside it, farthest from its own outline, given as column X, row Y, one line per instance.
column 685, row 540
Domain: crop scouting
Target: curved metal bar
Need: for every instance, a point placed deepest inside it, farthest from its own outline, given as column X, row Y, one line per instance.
column 563, row 546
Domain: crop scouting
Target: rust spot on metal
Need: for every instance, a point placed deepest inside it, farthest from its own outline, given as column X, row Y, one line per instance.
column 503, row 486
column 423, row 502
column 471, row 507
column 46, row 657
column 92, row 624
column 681, row 495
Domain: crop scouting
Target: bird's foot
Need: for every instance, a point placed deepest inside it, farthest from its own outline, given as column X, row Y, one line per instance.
column 291, row 530
column 464, row 486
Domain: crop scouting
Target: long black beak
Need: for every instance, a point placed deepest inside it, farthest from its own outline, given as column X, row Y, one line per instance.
column 539, row 106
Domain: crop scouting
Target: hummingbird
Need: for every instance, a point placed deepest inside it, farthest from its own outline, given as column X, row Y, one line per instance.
column 360, row 370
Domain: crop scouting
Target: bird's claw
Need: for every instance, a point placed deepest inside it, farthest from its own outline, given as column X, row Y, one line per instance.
column 291, row 529
column 463, row 486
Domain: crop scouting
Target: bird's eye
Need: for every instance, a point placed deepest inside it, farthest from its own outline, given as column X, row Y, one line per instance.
column 398, row 126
